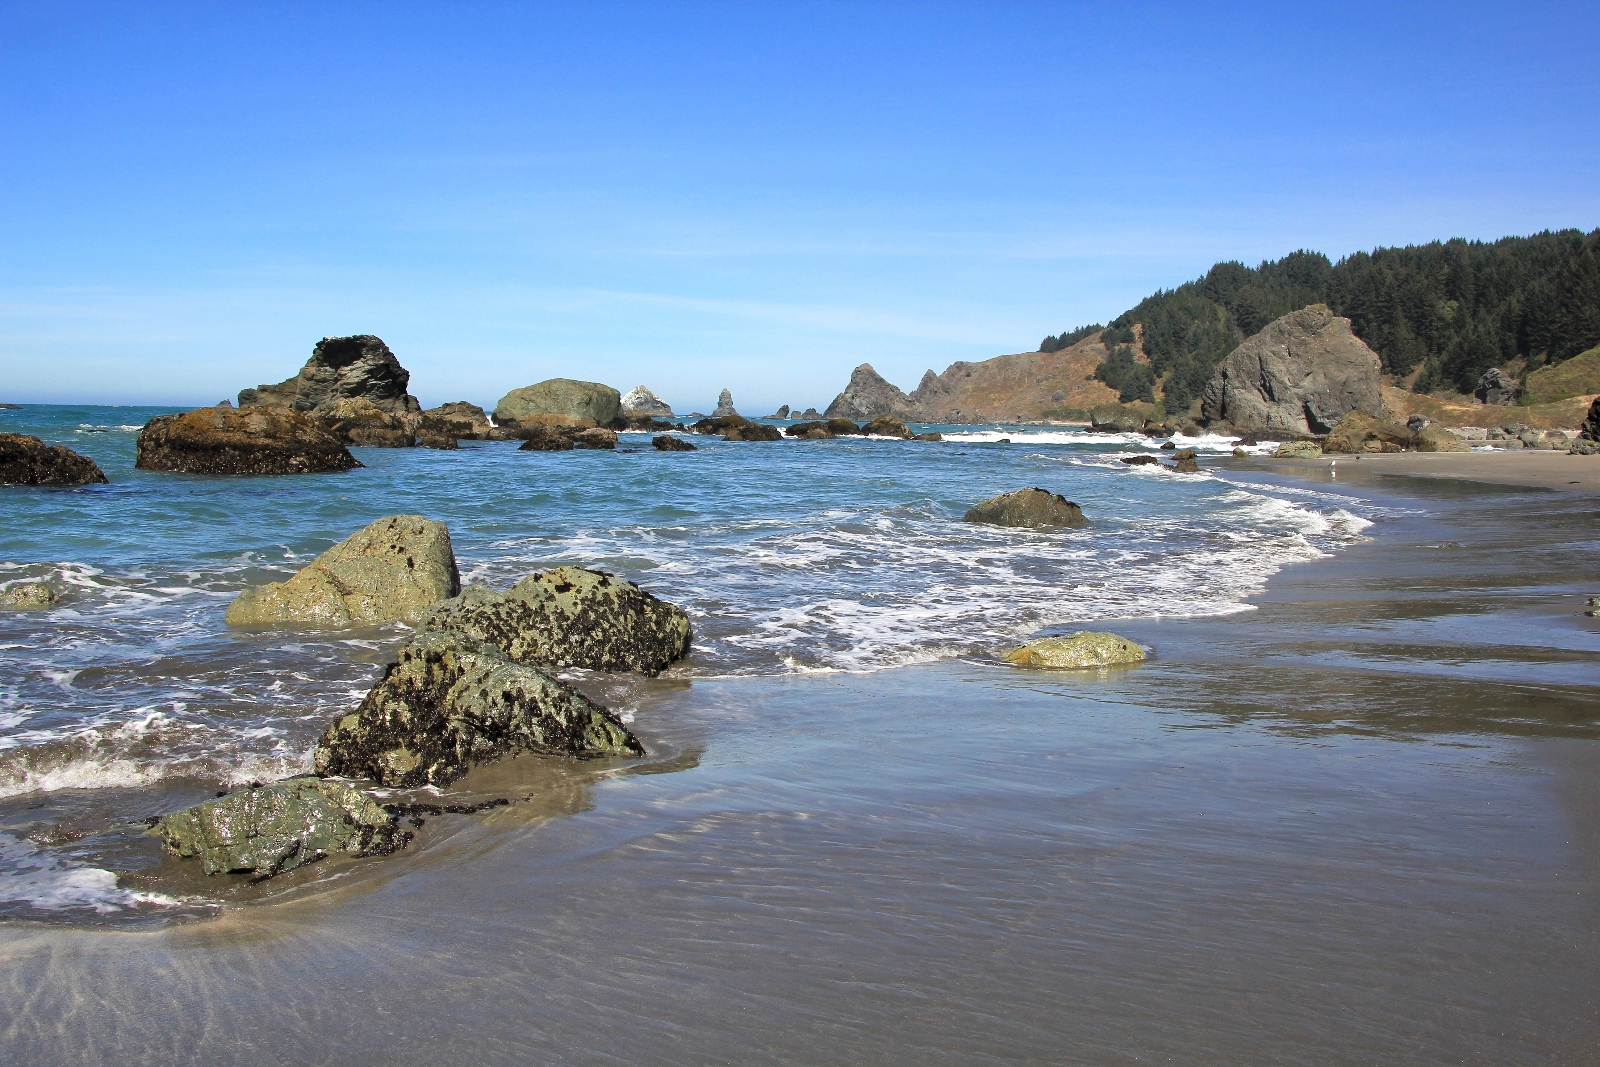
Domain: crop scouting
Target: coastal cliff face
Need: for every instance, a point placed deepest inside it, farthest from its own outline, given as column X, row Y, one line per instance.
column 360, row 367
column 1024, row 387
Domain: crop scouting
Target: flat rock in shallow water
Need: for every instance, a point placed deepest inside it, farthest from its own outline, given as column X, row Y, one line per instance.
column 1076, row 651
column 668, row 443
column 451, row 703
column 26, row 460
column 254, row 440
column 393, row 569
column 571, row 617
column 1027, row 507
column 267, row 830
column 28, row 596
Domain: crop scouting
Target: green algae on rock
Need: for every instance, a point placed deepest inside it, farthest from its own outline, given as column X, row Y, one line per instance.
column 1297, row 450
column 269, row 829
column 1027, row 507
column 451, row 703
column 392, row 569
column 570, row 617
column 28, row 596
column 1076, row 651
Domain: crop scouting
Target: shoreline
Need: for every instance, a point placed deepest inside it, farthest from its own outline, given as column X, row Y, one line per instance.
column 1534, row 470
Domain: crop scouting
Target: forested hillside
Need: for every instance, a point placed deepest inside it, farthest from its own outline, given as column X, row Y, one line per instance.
column 1456, row 308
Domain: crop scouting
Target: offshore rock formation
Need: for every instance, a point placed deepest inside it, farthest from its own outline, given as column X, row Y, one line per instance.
column 254, row 440
column 1076, row 652
column 570, row 617
column 451, row 703
column 358, row 421
column 724, row 406
column 559, row 402
column 869, row 395
column 26, row 460
column 540, row 438
column 641, row 401
column 887, row 426
column 460, row 421
column 1027, row 507
column 1300, row 375
column 668, row 443
column 394, row 569
column 269, row 829
column 342, row 368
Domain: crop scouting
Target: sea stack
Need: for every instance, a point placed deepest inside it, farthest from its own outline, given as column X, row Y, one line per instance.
column 640, row 401
column 724, row 406
column 360, row 367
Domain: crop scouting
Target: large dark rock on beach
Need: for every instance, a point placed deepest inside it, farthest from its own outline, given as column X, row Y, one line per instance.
column 451, row 703
column 1027, row 507
column 269, row 829
column 253, row 440
column 1497, row 387
column 1300, row 375
column 342, row 368
column 571, row 617
column 1360, row 432
column 559, row 402
column 394, row 569
column 26, row 460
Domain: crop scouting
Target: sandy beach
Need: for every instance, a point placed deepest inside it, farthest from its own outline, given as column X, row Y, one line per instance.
column 1541, row 469
column 1352, row 825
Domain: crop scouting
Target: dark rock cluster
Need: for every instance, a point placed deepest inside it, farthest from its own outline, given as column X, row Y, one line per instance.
column 26, row 460
column 256, row 440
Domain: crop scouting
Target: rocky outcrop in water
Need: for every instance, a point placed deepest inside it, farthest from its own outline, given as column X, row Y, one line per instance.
column 1497, row 387
column 253, row 440
column 358, row 421
column 460, row 421
column 27, row 596
column 668, row 443
column 342, row 368
column 781, row 413
column 752, row 431
column 641, row 401
column 724, row 406
column 451, row 703
column 1300, row 375
column 537, row 438
column 1186, row 461
column 269, row 829
column 26, row 460
column 558, row 402
column 571, row 617
column 394, row 569
column 1360, row 432
column 887, row 426
column 1027, row 507
column 1076, row 652
column 867, row 396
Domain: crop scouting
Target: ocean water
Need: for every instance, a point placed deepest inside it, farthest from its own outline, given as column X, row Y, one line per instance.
column 792, row 558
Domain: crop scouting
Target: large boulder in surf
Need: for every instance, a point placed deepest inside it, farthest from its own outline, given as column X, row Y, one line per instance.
column 668, row 443
column 358, row 421
column 559, row 402
column 460, row 421
column 255, row 440
column 1300, row 375
column 570, row 617
column 26, row 460
column 1360, row 432
column 1027, row 507
column 887, row 426
column 342, row 368
column 451, row 703
column 867, row 396
column 27, row 596
column 753, row 431
column 392, row 570
column 640, row 401
column 1076, row 652
column 269, row 829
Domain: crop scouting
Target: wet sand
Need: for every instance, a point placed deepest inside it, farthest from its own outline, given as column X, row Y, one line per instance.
column 1540, row 469
column 1355, row 825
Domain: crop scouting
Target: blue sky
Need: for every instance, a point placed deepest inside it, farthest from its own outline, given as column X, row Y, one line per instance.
column 699, row 196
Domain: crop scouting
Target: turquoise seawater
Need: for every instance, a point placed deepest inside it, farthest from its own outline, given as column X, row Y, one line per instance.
column 791, row 557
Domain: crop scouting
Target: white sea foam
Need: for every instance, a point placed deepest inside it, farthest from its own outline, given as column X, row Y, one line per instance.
column 45, row 881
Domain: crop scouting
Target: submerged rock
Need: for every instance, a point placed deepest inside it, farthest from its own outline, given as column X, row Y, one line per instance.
column 1360, row 432
column 1027, row 507
column 1297, row 450
column 269, row 829
column 28, row 596
column 358, row 421
column 571, row 617
column 668, row 443
column 559, row 402
column 887, row 426
column 394, row 569
column 1141, row 461
column 451, row 703
column 1300, row 375
column 26, row 460
column 1076, row 651
column 250, row 440
column 641, row 401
